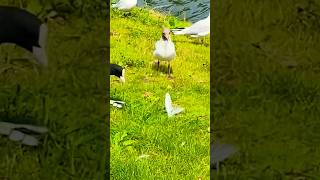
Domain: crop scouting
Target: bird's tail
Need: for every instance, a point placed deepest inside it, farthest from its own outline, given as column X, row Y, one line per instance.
column 178, row 31
column 194, row 36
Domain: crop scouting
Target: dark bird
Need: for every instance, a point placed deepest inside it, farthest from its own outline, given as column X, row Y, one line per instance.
column 118, row 71
column 24, row 29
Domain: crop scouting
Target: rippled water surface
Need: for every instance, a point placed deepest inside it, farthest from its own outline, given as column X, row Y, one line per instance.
column 192, row 10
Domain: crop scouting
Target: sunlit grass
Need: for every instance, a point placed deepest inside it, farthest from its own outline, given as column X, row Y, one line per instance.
column 169, row 148
column 68, row 98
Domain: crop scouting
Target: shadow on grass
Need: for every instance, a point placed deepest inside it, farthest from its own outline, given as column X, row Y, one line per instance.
column 197, row 41
column 163, row 67
column 17, row 119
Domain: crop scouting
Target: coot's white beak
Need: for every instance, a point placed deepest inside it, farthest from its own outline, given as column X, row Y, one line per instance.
column 40, row 52
column 167, row 36
column 122, row 79
column 41, row 55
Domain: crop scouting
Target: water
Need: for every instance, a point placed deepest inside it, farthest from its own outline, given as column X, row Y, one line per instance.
column 191, row 10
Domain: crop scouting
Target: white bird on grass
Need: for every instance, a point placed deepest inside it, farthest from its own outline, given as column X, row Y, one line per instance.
column 165, row 50
column 169, row 108
column 198, row 29
column 125, row 4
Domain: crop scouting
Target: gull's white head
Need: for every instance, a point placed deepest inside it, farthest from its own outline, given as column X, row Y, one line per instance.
column 166, row 34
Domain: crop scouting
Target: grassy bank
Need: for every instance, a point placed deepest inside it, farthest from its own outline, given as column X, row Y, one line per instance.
column 266, row 88
column 68, row 98
column 145, row 143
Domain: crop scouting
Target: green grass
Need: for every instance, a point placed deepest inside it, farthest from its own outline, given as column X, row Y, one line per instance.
column 266, row 88
column 178, row 147
column 68, row 98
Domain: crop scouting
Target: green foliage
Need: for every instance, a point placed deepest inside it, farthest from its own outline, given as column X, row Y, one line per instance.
column 145, row 143
column 68, row 98
column 81, row 8
column 266, row 88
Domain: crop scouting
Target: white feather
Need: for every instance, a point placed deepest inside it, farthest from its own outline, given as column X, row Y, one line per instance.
column 118, row 104
column 23, row 138
column 14, row 134
column 169, row 108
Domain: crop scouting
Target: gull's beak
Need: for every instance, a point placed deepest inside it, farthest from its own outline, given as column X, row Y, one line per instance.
column 167, row 36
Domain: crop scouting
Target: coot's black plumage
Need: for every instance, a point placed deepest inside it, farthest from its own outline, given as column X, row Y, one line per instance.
column 24, row 29
column 118, row 71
